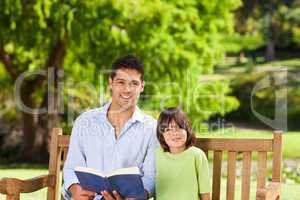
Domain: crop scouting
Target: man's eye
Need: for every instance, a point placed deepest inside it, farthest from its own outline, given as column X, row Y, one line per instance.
column 120, row 82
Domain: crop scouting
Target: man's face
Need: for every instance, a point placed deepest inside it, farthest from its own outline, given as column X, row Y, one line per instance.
column 126, row 87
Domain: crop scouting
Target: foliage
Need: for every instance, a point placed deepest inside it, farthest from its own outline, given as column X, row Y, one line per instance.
column 236, row 43
column 171, row 37
column 253, row 21
column 264, row 100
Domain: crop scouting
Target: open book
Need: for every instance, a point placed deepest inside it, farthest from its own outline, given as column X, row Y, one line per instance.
column 126, row 181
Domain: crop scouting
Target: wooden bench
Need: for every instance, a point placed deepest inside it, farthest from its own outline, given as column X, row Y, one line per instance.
column 12, row 187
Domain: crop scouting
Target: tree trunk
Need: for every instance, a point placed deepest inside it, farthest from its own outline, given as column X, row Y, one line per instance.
column 270, row 50
column 271, row 32
column 28, row 124
column 36, row 129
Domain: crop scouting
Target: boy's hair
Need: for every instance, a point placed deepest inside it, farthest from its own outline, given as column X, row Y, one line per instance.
column 181, row 119
column 127, row 62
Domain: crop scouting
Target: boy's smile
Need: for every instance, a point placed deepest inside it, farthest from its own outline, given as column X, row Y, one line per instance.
column 175, row 138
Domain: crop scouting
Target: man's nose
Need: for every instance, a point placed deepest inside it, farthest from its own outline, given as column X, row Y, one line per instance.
column 127, row 87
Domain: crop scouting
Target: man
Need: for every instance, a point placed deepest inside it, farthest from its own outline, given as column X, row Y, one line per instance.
column 115, row 136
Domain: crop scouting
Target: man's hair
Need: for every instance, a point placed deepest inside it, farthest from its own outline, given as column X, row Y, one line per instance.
column 181, row 119
column 127, row 62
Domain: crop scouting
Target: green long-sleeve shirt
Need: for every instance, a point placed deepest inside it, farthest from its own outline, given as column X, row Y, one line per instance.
column 182, row 176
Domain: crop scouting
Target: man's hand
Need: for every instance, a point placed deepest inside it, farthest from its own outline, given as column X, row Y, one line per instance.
column 80, row 194
column 116, row 196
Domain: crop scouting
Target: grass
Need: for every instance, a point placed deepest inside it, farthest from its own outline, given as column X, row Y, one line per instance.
column 291, row 150
column 232, row 62
column 289, row 191
column 26, row 173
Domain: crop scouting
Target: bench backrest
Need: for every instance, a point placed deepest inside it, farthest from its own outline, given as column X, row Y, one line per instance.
column 219, row 147
column 245, row 147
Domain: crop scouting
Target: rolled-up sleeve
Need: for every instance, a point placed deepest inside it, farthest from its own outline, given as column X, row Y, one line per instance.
column 75, row 158
column 149, row 163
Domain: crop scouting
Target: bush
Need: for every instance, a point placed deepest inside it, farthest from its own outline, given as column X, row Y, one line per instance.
column 264, row 100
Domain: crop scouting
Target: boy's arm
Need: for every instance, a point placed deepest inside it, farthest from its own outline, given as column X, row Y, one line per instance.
column 205, row 196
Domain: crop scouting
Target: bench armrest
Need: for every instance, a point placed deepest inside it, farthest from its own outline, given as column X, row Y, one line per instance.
column 271, row 192
column 11, row 186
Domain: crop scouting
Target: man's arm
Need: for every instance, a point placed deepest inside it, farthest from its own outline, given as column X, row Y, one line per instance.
column 75, row 157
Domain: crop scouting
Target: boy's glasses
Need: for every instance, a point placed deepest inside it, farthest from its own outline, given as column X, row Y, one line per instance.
column 172, row 130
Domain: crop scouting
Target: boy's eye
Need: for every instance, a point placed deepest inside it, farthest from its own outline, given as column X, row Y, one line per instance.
column 162, row 128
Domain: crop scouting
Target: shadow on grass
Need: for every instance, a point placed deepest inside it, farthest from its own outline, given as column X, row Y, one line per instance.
column 23, row 166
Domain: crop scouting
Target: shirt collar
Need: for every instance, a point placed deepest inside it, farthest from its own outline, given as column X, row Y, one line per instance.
column 138, row 115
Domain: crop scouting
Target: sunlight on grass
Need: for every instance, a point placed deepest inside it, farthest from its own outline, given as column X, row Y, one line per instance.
column 289, row 191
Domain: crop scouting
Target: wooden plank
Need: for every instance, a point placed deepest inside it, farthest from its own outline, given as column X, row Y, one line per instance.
column 63, row 140
column 54, row 164
column 65, row 153
column 223, row 144
column 277, row 156
column 2, row 186
column 37, row 183
column 13, row 197
column 217, row 165
column 246, row 175
column 272, row 191
column 11, row 187
column 261, row 169
column 231, row 175
column 206, row 153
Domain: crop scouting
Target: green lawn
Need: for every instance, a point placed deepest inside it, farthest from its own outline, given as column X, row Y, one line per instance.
column 289, row 191
column 291, row 150
column 232, row 63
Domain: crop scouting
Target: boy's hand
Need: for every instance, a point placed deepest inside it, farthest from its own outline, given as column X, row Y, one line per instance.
column 80, row 194
column 116, row 196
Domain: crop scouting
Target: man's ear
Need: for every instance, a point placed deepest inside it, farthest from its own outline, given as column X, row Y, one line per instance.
column 142, row 85
column 110, row 82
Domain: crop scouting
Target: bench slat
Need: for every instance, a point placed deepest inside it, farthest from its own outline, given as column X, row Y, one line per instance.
column 246, row 175
column 217, row 165
column 224, row 144
column 261, row 169
column 231, row 174
column 277, row 156
column 63, row 141
column 65, row 152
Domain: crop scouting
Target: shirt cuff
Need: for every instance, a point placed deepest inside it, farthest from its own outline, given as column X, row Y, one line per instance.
column 65, row 193
column 65, row 188
column 69, row 182
column 149, row 186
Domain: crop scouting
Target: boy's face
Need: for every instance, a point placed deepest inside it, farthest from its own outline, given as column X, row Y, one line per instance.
column 126, row 87
column 175, row 137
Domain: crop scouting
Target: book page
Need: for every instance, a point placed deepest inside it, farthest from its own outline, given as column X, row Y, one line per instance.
column 129, row 170
column 90, row 170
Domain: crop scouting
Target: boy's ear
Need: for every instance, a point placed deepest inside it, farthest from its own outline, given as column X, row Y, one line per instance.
column 110, row 82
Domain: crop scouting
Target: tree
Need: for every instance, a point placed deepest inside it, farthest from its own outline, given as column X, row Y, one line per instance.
column 83, row 37
column 275, row 21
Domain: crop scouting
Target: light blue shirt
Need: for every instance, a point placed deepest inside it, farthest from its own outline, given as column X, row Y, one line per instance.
column 93, row 144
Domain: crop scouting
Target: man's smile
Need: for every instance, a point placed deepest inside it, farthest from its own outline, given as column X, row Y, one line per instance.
column 125, row 96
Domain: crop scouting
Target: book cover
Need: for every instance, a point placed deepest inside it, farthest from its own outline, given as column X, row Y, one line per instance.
column 126, row 181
